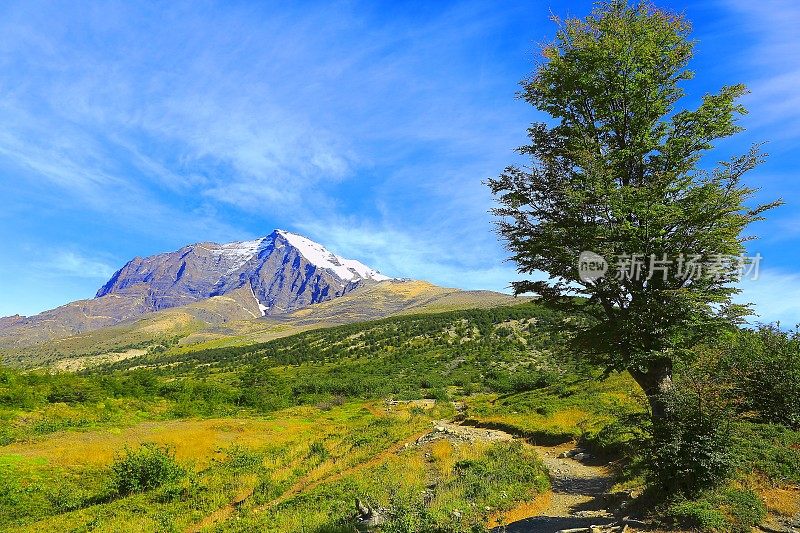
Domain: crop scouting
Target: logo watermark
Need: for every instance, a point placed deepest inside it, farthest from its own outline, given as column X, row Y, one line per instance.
column 717, row 267
column 591, row 266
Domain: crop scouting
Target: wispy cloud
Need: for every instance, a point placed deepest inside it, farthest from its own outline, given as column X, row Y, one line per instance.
column 774, row 295
column 472, row 263
column 772, row 62
column 74, row 264
column 138, row 128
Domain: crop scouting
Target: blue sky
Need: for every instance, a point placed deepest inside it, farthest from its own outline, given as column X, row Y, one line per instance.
column 130, row 130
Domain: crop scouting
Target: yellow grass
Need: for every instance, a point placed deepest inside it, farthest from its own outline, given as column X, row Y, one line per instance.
column 783, row 501
column 196, row 440
column 520, row 512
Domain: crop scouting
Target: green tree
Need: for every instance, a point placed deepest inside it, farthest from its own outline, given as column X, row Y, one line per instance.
column 618, row 172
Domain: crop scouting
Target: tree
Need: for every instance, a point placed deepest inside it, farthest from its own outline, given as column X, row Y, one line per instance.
column 618, row 173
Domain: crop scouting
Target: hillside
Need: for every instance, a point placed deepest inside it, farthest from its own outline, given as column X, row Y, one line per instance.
column 233, row 319
column 418, row 414
column 273, row 275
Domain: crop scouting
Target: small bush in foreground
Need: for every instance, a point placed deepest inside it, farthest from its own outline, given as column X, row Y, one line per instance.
column 145, row 468
column 732, row 509
column 690, row 449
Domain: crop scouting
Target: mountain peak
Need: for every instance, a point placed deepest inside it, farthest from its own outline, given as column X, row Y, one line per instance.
column 321, row 257
column 283, row 271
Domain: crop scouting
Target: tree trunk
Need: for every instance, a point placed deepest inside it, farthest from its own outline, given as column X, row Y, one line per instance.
column 656, row 382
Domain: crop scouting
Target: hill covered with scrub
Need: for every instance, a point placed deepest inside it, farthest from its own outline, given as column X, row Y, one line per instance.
column 285, row 435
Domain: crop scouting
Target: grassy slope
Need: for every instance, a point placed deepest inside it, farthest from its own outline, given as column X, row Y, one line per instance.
column 229, row 321
column 275, row 400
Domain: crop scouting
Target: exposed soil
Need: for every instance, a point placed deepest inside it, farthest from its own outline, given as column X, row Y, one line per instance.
column 577, row 499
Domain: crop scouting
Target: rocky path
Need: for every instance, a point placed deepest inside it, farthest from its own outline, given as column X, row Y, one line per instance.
column 579, row 488
column 577, row 499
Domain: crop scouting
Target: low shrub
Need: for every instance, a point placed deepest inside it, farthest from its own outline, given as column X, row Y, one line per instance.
column 731, row 509
column 145, row 468
column 697, row 514
column 690, row 448
column 240, row 459
column 765, row 366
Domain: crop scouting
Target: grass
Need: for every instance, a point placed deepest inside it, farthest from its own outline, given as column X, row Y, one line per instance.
column 216, row 453
column 284, row 435
column 303, row 467
column 571, row 410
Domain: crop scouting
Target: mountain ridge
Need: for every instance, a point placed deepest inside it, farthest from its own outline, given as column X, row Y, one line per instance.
column 280, row 273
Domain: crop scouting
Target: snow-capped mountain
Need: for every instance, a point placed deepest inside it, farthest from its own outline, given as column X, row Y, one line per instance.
column 273, row 275
column 283, row 271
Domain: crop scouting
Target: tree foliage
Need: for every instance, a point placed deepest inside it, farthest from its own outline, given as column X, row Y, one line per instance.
column 619, row 172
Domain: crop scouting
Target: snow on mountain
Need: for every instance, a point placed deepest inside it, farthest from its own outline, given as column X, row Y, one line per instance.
column 318, row 255
column 234, row 254
column 283, row 271
column 273, row 275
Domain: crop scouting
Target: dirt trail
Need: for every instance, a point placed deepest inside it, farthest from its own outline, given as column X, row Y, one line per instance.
column 578, row 489
column 577, row 498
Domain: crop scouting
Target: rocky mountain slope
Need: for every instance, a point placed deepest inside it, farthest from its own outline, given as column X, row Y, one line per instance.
column 284, row 272
column 233, row 320
column 274, row 275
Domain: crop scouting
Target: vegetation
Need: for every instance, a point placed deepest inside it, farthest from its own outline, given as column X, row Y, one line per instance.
column 648, row 371
column 619, row 176
column 295, row 429
column 144, row 469
column 616, row 207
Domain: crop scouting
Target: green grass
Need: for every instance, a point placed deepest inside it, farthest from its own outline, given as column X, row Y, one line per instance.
column 294, row 430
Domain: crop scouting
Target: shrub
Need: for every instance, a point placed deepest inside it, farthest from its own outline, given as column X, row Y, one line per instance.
column 74, row 391
column 744, row 508
column 506, row 465
column 765, row 367
column 318, row 450
column 690, row 448
column 700, row 514
column 409, row 515
column 770, row 449
column 145, row 468
column 239, row 458
column 733, row 509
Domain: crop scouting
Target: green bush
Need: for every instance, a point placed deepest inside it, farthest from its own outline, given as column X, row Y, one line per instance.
column 407, row 515
column 508, row 465
column 145, row 468
column 770, row 449
column 765, row 368
column 744, row 508
column 318, row 450
column 697, row 514
column 733, row 509
column 239, row 459
column 690, row 447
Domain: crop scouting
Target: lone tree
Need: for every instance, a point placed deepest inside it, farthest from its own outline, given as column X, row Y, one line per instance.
column 617, row 173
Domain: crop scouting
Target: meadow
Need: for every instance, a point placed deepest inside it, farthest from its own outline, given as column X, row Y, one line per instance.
column 286, row 435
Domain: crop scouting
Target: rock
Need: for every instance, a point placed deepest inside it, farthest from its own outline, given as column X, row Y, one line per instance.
column 367, row 518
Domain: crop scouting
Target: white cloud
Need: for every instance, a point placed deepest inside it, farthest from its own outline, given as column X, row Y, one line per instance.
column 774, row 295
column 70, row 263
column 773, row 63
column 474, row 263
